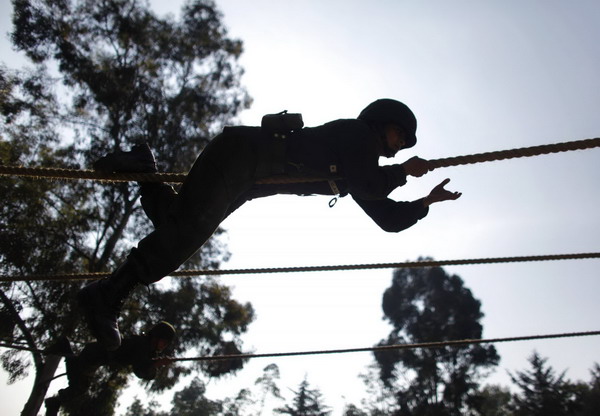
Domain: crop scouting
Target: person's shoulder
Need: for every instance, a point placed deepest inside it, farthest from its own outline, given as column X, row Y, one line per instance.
column 348, row 127
column 348, row 123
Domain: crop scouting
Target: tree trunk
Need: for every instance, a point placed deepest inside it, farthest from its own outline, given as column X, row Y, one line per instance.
column 40, row 386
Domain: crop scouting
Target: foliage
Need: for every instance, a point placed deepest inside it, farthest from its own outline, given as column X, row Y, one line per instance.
column 190, row 401
column 252, row 401
column 591, row 395
column 306, row 402
column 542, row 392
column 492, row 401
column 425, row 305
column 108, row 75
column 380, row 399
column 137, row 408
column 37, row 230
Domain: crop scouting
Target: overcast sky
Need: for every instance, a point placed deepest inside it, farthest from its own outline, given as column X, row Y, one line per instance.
column 480, row 76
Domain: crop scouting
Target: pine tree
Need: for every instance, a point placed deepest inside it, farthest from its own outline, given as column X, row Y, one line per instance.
column 543, row 392
column 306, row 402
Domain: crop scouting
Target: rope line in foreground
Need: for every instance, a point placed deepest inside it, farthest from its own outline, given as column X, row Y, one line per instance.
column 435, row 344
column 515, row 153
column 438, row 344
column 410, row 264
column 59, row 173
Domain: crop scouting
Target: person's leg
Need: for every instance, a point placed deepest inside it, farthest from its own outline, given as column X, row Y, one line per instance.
column 157, row 199
column 102, row 300
column 222, row 172
column 156, row 196
column 79, row 372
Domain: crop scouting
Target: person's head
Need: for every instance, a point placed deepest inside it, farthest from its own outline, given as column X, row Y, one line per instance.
column 394, row 123
column 161, row 335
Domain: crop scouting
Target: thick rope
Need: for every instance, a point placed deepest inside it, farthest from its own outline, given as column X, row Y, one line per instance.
column 514, row 153
column 57, row 173
column 410, row 264
column 438, row 344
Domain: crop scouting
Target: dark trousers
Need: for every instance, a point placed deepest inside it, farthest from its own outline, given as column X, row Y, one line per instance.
column 81, row 369
column 214, row 187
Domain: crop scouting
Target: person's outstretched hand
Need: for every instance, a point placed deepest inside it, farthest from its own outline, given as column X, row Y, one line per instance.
column 439, row 194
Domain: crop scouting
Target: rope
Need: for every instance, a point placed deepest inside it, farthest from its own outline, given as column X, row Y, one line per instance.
column 58, row 173
column 410, row 264
column 435, row 344
column 514, row 153
column 438, row 344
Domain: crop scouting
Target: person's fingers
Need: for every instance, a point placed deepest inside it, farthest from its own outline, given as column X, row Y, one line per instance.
column 443, row 183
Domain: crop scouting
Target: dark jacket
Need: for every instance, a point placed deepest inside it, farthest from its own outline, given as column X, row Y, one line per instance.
column 345, row 151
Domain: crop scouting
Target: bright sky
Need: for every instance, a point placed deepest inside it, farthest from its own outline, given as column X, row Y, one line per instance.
column 480, row 76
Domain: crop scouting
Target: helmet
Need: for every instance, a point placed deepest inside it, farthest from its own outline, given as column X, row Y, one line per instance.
column 162, row 330
column 388, row 111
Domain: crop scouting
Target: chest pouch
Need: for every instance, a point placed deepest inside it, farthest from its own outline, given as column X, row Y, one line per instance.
column 276, row 128
column 281, row 124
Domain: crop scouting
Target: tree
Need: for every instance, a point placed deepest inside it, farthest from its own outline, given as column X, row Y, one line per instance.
column 252, row 401
column 492, row 401
column 121, row 75
column 380, row 399
column 352, row 410
column 267, row 384
column 591, row 396
column 36, row 228
column 542, row 392
column 189, row 401
column 306, row 402
column 137, row 408
column 425, row 305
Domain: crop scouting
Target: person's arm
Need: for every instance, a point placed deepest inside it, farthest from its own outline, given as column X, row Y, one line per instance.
column 367, row 180
column 393, row 216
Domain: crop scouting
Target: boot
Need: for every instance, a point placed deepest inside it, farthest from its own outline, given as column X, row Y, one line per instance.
column 52, row 405
column 138, row 159
column 102, row 301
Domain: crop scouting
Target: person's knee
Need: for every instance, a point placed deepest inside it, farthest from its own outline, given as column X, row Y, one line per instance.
column 157, row 202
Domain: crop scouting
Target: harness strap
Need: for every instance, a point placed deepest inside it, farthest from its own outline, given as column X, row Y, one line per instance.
column 333, row 187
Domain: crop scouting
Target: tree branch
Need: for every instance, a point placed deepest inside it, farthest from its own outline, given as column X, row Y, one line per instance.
column 37, row 358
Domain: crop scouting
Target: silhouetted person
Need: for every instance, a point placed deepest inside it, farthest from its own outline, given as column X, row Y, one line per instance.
column 343, row 152
column 139, row 352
